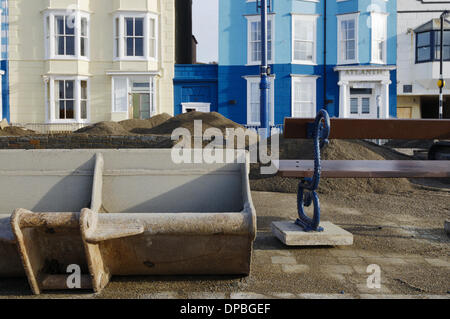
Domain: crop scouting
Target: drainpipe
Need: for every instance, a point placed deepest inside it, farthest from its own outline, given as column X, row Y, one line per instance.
column 325, row 55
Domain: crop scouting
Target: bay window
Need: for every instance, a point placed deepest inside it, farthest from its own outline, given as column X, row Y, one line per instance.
column 67, row 99
column 66, row 35
column 135, row 36
column 428, row 46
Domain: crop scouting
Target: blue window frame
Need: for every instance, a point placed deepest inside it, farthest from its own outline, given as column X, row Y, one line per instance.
column 428, row 46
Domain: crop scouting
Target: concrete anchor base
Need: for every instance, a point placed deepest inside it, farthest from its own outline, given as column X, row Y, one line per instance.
column 293, row 235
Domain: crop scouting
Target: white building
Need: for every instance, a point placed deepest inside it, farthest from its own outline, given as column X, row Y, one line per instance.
column 418, row 50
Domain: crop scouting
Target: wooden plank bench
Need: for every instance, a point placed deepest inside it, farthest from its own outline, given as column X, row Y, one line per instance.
column 323, row 128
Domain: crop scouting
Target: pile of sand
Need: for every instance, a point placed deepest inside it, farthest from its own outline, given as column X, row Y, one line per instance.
column 336, row 150
column 15, row 131
column 186, row 120
column 104, row 129
column 140, row 126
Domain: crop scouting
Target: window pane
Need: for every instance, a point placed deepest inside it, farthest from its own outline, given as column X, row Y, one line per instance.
column 152, row 28
column 423, row 39
column 60, row 85
column 139, row 27
column 83, row 46
column 69, row 89
column 350, row 52
column 62, row 110
column 59, row 22
column 152, row 48
column 365, row 106
column 424, row 54
column 354, row 106
column 70, row 110
column 130, row 49
column 447, row 53
column 60, row 45
column 446, row 38
column 84, row 90
column 139, row 42
column 70, row 45
column 70, row 25
column 84, row 27
column 129, row 25
column 83, row 110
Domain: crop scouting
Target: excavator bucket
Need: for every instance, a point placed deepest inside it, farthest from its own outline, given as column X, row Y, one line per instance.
column 121, row 212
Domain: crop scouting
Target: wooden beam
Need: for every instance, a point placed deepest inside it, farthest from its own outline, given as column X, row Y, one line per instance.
column 374, row 129
column 366, row 169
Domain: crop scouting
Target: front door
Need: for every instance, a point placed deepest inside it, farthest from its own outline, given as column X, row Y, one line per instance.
column 362, row 103
column 141, row 106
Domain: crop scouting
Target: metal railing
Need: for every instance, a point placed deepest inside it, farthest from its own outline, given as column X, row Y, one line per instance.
column 45, row 128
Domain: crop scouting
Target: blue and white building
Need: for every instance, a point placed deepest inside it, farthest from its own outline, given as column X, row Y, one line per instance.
column 4, row 83
column 339, row 55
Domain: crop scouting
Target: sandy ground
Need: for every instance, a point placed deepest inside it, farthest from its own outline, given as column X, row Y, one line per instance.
column 402, row 233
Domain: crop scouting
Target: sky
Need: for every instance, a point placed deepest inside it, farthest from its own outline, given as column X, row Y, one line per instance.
column 205, row 27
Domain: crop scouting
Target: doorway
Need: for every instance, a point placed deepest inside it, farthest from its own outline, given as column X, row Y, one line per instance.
column 362, row 103
column 140, row 106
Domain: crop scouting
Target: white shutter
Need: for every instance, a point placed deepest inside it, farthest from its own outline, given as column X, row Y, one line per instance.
column 120, row 95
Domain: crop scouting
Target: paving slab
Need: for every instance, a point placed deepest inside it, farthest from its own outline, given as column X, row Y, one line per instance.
column 293, row 235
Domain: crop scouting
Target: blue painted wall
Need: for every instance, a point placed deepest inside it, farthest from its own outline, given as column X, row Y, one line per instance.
column 4, row 59
column 195, row 83
column 231, row 84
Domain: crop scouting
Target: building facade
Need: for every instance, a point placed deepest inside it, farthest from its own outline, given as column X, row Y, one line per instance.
column 83, row 61
column 4, row 66
column 339, row 55
column 419, row 58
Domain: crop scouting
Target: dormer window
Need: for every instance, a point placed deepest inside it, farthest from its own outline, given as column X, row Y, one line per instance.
column 66, row 35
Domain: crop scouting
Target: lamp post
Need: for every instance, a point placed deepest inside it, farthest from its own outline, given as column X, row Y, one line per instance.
column 441, row 82
column 264, row 85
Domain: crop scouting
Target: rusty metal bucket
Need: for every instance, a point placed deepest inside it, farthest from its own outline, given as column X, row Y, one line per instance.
column 121, row 212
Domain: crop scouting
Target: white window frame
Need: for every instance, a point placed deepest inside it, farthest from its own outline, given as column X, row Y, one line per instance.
column 152, row 79
column 197, row 106
column 256, row 79
column 312, row 19
column 119, row 50
column 298, row 79
column 50, row 101
column 377, row 17
column 256, row 18
column 50, row 35
column 340, row 19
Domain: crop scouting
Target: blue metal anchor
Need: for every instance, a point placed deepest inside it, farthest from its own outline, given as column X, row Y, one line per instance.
column 319, row 131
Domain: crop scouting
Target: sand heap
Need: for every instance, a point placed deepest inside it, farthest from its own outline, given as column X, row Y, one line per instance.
column 104, row 129
column 186, row 120
column 140, row 126
column 15, row 131
column 337, row 150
